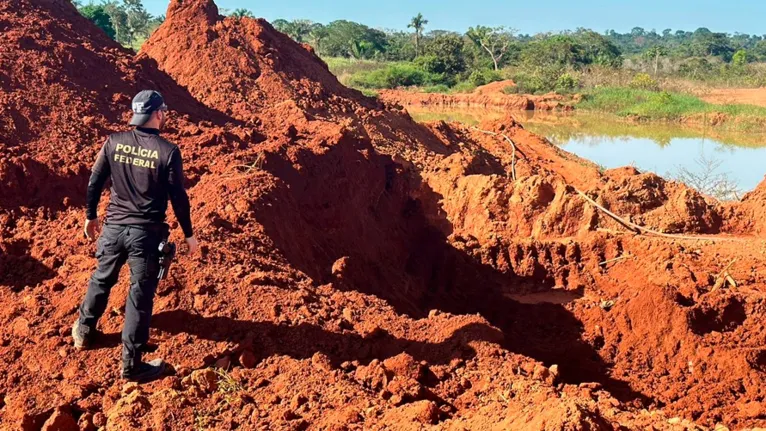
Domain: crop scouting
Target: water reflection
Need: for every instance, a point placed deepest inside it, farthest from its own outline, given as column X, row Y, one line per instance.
column 661, row 148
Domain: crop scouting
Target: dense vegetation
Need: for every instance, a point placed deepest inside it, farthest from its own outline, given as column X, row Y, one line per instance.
column 125, row 21
column 438, row 60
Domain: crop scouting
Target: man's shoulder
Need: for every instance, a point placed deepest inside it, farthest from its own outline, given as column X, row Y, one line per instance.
column 169, row 146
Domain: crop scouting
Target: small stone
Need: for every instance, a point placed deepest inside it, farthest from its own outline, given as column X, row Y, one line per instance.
column 433, row 313
column 206, row 379
column 320, row 361
column 465, row 383
column 554, row 370
column 129, row 387
column 86, row 422
column 423, row 411
column 541, row 373
column 674, row 421
column 60, row 420
column 223, row 363
column 99, row 420
column 348, row 315
column 248, row 359
column 20, row 327
column 298, row 401
column 404, row 365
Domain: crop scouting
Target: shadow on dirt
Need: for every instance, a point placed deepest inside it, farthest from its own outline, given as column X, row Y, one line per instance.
column 30, row 183
column 304, row 340
column 18, row 269
column 372, row 225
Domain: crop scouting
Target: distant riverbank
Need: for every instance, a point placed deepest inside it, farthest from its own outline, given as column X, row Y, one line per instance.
column 630, row 104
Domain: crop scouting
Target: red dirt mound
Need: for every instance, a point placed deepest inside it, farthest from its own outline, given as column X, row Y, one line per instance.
column 64, row 85
column 362, row 271
column 246, row 66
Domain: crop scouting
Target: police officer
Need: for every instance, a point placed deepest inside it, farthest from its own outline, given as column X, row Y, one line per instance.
column 145, row 170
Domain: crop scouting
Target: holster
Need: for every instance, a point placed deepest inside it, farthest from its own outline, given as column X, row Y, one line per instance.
column 167, row 253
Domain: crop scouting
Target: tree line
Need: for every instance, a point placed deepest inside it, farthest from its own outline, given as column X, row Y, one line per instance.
column 125, row 21
column 422, row 56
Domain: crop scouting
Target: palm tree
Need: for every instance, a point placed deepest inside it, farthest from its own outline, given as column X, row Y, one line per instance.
column 418, row 22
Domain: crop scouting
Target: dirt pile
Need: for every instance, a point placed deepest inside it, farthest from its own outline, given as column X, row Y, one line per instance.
column 486, row 96
column 362, row 271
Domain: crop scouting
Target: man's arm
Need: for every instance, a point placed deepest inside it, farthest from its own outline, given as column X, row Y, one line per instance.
column 177, row 192
column 98, row 177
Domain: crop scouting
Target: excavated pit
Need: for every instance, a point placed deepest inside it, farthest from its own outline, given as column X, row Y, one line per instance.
column 359, row 270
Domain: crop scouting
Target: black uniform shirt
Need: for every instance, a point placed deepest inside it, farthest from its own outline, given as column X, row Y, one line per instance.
column 145, row 170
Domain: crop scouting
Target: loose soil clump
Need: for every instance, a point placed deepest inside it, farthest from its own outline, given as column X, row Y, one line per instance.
column 360, row 270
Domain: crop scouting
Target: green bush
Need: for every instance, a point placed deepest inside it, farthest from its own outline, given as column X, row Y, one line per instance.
column 739, row 59
column 463, row 87
column 642, row 81
column 530, row 83
column 567, row 83
column 438, row 88
column 393, row 76
column 484, row 76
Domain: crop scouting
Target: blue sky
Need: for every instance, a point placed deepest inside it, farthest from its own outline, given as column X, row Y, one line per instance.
column 529, row 16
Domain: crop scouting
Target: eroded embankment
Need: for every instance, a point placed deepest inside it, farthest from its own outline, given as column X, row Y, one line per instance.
column 362, row 271
column 486, row 96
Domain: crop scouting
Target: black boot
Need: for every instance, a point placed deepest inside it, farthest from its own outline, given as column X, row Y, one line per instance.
column 143, row 372
column 83, row 336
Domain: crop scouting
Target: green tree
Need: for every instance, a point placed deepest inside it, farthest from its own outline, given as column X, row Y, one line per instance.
column 739, row 59
column 418, row 23
column 559, row 50
column 351, row 39
column 138, row 20
column 318, row 33
column 97, row 14
column 299, row 29
column 597, row 49
column 445, row 54
column 653, row 54
column 242, row 13
column 399, row 46
column 494, row 40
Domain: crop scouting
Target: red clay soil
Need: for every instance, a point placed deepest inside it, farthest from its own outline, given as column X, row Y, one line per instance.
column 485, row 96
column 358, row 270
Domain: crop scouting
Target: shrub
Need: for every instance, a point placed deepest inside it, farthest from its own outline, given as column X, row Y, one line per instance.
column 463, row 87
column 642, row 81
column 438, row 88
column 567, row 83
column 740, row 58
column 484, row 76
column 528, row 83
column 393, row 76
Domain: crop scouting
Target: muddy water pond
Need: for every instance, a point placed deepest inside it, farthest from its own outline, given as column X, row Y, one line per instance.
column 716, row 160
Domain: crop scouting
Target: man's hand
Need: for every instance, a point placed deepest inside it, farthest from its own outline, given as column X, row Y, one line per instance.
column 91, row 228
column 193, row 246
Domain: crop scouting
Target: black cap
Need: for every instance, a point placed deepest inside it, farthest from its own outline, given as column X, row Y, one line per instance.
column 144, row 104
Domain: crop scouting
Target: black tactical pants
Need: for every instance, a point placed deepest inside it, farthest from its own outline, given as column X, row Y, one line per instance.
column 138, row 245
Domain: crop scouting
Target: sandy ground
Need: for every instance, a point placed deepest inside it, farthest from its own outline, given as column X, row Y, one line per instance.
column 747, row 96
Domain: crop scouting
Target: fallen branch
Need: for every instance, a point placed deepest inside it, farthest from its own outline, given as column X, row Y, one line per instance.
column 642, row 230
column 513, row 147
column 625, row 256
column 724, row 277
